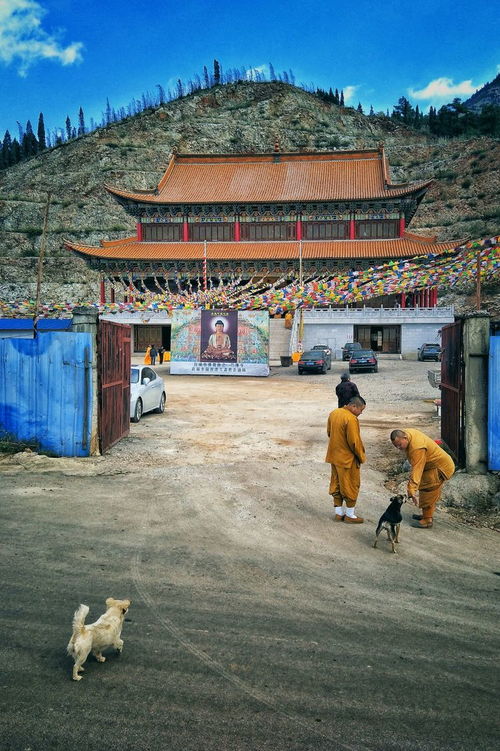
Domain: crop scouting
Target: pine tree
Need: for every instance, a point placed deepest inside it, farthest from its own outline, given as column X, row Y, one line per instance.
column 42, row 141
column 68, row 128
column 29, row 143
column 206, row 77
column 161, row 94
column 107, row 114
column 216, row 72
column 371, row 110
column 7, row 150
column 360, row 108
column 81, row 123
column 180, row 89
column 341, row 100
column 16, row 154
column 272, row 74
column 337, row 99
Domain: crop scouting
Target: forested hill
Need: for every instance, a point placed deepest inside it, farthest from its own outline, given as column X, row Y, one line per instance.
column 487, row 96
column 230, row 118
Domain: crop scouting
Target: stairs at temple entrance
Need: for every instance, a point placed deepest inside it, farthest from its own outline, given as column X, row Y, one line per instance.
column 279, row 340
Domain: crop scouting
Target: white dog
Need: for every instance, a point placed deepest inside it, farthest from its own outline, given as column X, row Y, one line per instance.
column 95, row 637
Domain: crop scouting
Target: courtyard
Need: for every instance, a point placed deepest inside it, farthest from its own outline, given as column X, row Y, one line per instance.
column 256, row 623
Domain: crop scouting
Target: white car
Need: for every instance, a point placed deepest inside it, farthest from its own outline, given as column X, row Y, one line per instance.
column 147, row 392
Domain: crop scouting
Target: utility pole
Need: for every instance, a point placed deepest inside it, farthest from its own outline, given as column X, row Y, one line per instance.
column 41, row 256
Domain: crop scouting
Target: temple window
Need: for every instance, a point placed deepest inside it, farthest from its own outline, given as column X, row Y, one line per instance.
column 325, row 230
column 211, row 231
column 162, row 232
column 268, row 231
column 371, row 230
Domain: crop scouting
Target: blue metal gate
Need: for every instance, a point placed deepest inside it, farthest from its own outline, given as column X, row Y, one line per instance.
column 46, row 392
column 494, row 404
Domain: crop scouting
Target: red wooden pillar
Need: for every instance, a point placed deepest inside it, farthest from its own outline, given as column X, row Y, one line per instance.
column 102, row 296
column 352, row 228
column 427, row 298
column 237, row 231
column 299, row 229
column 403, row 299
column 112, row 294
column 130, row 297
column 185, row 231
column 435, row 297
column 139, row 231
column 401, row 226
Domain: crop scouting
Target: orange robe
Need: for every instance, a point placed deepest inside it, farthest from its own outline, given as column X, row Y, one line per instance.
column 345, row 453
column 147, row 357
column 430, row 468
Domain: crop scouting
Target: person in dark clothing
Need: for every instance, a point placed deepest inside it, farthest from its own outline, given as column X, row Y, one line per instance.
column 346, row 390
column 161, row 352
column 153, row 352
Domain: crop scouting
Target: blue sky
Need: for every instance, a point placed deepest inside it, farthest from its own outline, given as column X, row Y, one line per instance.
column 58, row 55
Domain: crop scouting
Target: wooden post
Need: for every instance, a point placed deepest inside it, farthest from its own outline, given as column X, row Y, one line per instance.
column 185, row 231
column 102, row 291
column 352, row 228
column 139, row 231
column 401, row 226
column 41, row 255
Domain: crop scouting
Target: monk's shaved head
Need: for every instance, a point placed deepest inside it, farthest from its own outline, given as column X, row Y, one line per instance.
column 398, row 434
column 357, row 401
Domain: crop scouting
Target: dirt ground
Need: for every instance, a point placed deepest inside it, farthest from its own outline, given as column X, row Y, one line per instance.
column 256, row 622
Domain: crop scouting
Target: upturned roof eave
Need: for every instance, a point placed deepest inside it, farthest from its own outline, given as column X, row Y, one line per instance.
column 154, row 197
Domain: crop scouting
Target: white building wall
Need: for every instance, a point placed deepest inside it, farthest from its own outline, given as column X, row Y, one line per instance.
column 413, row 335
column 335, row 335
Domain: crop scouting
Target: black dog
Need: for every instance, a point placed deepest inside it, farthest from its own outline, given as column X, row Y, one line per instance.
column 391, row 521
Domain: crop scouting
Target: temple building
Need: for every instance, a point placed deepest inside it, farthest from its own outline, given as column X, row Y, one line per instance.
column 276, row 215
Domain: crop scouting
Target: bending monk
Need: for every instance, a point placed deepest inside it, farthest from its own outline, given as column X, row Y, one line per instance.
column 345, row 453
column 430, row 468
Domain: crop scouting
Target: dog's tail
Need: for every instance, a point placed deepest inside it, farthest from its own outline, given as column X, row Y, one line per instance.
column 78, row 626
column 79, row 619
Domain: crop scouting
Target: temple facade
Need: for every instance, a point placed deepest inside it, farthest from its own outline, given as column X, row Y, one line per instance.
column 274, row 216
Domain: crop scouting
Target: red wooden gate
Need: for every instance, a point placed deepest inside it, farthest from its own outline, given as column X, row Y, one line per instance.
column 452, row 389
column 113, row 363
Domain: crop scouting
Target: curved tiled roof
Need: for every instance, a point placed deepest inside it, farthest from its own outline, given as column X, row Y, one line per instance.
column 273, row 178
column 131, row 249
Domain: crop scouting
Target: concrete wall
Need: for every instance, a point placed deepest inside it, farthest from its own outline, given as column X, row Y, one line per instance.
column 413, row 335
column 334, row 335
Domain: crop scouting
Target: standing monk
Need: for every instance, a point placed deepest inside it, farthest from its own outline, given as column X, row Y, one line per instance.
column 345, row 453
column 430, row 468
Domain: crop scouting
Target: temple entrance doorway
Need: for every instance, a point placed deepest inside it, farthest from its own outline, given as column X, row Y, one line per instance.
column 157, row 335
column 385, row 339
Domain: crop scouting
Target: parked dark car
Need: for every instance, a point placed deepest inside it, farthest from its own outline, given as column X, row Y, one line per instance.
column 429, row 352
column 348, row 348
column 313, row 361
column 327, row 352
column 363, row 359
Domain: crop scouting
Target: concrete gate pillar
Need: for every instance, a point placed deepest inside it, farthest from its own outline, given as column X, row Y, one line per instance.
column 476, row 338
column 85, row 319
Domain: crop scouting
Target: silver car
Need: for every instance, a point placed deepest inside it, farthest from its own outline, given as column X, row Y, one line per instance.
column 147, row 392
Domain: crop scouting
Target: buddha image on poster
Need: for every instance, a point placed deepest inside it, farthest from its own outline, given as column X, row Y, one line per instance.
column 219, row 336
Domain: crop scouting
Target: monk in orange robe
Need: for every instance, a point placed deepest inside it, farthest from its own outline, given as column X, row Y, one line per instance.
column 431, row 466
column 345, row 453
column 147, row 356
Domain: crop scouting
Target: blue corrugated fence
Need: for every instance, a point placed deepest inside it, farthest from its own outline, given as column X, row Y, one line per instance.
column 494, row 404
column 46, row 391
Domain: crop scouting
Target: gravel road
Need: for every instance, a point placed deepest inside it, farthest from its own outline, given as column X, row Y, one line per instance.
column 257, row 623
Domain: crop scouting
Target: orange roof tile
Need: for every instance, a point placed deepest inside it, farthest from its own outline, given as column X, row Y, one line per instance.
column 130, row 249
column 263, row 178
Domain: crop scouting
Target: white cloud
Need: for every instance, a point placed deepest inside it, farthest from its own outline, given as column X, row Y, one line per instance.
column 253, row 73
column 24, row 42
column 444, row 89
column 349, row 92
